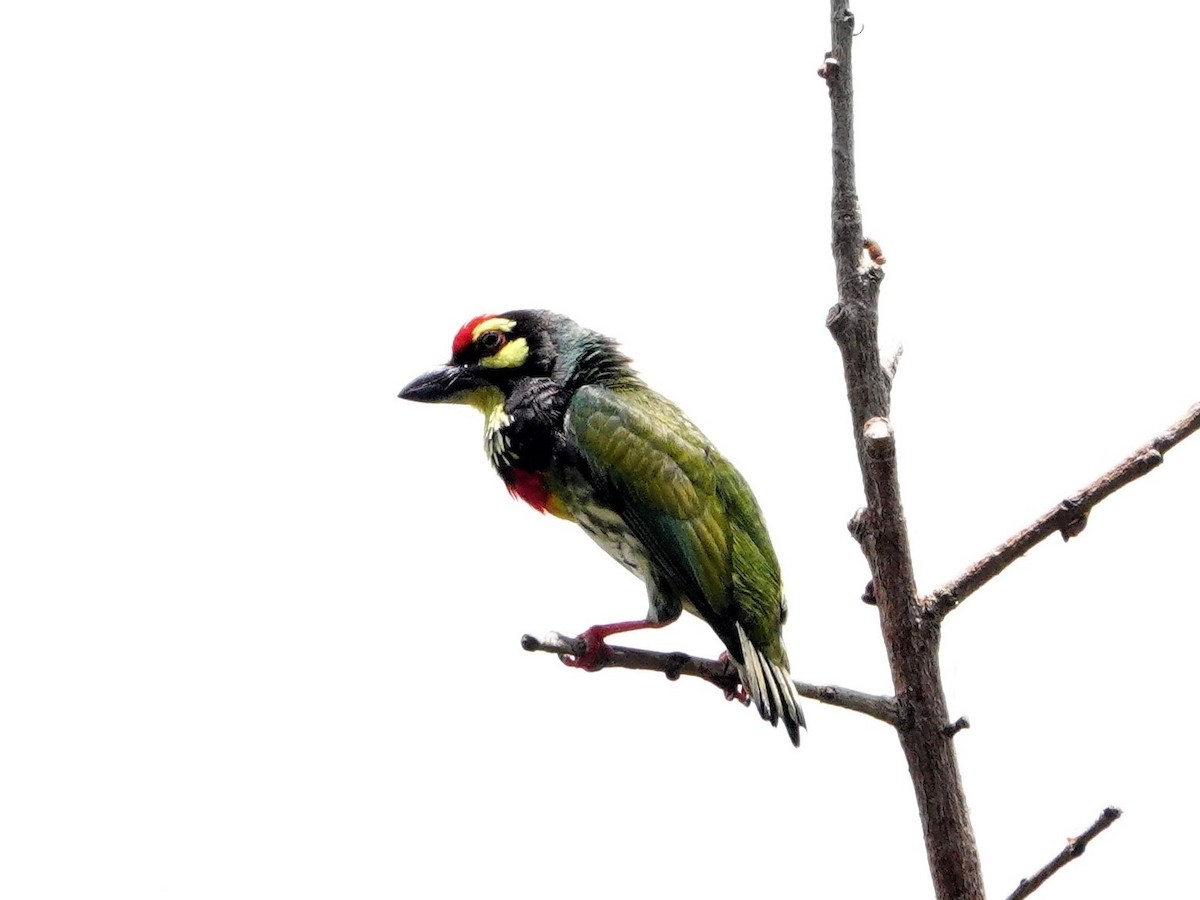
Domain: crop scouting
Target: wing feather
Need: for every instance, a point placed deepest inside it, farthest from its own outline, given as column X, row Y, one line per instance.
column 661, row 475
column 700, row 523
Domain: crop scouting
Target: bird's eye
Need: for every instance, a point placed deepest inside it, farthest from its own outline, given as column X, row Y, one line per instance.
column 491, row 341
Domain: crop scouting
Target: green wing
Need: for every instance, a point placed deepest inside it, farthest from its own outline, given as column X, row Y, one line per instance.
column 688, row 506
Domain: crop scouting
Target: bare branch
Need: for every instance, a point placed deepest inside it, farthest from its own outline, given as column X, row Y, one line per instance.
column 1073, row 850
column 717, row 672
column 1068, row 518
column 910, row 637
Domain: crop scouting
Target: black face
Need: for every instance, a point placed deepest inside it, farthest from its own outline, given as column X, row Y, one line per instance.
column 476, row 343
column 489, row 351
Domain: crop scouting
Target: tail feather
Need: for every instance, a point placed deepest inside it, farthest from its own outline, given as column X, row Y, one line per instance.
column 771, row 688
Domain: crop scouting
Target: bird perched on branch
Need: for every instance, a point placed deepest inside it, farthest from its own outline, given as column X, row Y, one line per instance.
column 574, row 432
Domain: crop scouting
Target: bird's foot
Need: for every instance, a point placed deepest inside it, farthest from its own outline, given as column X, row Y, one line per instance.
column 595, row 654
column 739, row 693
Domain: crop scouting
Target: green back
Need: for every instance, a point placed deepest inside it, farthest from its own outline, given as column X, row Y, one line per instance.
column 688, row 506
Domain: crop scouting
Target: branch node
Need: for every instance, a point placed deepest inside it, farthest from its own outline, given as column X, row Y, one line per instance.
column 674, row 665
column 879, row 440
column 960, row 724
column 859, row 525
column 836, row 319
column 868, row 594
column 892, row 364
column 829, row 70
column 1074, row 528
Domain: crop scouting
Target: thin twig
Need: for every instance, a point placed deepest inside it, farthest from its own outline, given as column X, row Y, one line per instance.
column 1069, row 517
column 717, row 672
column 1073, row 850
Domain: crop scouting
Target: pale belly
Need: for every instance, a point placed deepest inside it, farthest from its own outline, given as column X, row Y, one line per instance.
column 606, row 529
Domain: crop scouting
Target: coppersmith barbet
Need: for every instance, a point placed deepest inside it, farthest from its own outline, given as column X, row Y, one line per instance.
column 575, row 432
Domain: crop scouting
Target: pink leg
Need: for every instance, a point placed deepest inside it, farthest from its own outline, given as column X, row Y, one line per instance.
column 594, row 656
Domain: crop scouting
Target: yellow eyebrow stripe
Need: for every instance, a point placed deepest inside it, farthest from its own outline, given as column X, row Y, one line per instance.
column 497, row 323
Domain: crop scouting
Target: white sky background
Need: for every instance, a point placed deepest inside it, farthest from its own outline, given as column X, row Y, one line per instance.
column 260, row 619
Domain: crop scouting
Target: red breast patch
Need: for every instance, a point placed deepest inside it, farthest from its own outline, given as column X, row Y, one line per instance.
column 530, row 487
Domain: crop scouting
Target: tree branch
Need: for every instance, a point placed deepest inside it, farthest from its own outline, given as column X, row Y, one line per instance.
column 1068, row 518
column 1073, row 850
column 910, row 637
column 717, row 672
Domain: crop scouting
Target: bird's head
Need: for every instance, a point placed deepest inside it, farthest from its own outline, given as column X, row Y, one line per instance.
column 491, row 353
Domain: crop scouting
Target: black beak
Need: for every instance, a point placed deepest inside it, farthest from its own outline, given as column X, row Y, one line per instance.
column 441, row 385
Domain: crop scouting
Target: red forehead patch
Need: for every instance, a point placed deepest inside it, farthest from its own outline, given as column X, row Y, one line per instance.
column 462, row 340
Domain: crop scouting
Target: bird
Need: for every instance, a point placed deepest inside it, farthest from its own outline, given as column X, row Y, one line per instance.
column 574, row 431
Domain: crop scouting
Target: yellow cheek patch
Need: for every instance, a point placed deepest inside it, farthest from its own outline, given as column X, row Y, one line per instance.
column 510, row 356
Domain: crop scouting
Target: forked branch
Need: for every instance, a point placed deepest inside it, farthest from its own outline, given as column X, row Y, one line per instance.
column 1067, row 518
column 717, row 672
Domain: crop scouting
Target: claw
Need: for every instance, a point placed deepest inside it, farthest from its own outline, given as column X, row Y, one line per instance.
column 739, row 693
column 595, row 654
